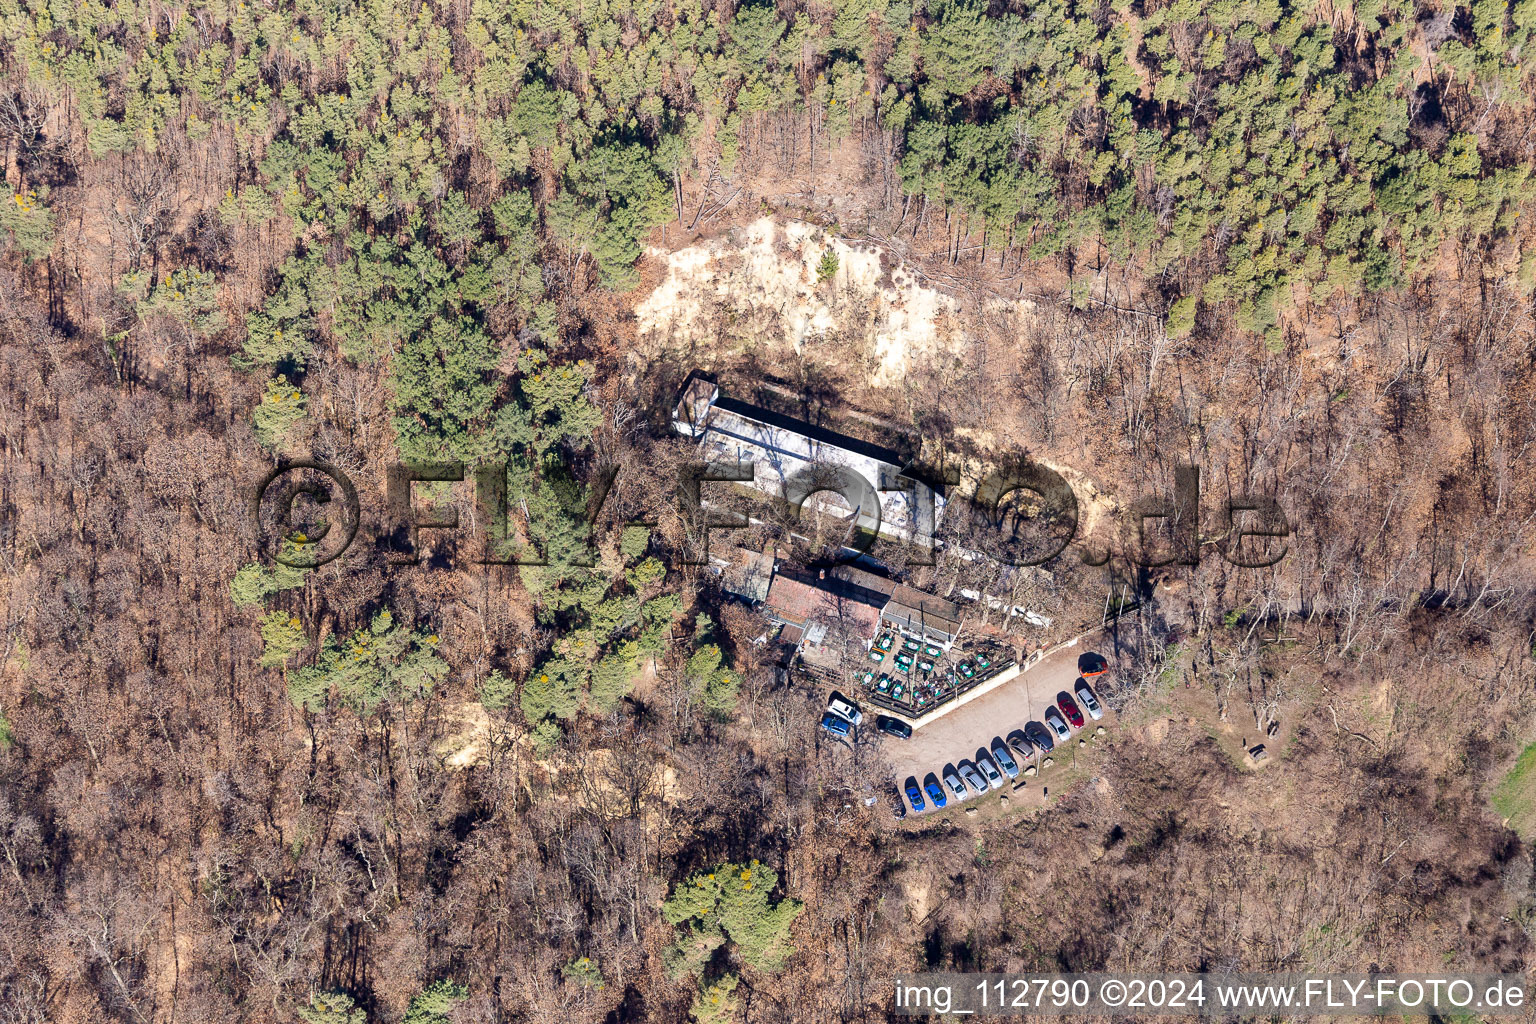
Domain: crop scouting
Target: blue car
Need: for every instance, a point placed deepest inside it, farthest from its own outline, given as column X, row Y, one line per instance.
column 836, row 724
column 935, row 791
column 914, row 795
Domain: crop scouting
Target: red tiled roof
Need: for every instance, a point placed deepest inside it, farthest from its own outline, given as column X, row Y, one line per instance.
column 801, row 601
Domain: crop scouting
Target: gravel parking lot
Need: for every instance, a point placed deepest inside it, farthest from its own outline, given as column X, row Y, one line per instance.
column 960, row 732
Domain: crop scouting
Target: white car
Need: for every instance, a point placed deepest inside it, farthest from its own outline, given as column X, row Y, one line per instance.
column 1004, row 760
column 1057, row 724
column 1089, row 701
column 994, row 777
column 973, row 777
column 954, row 785
column 845, row 709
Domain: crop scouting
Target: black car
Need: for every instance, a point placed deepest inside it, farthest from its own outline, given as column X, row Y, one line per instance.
column 898, row 809
column 1039, row 735
column 893, row 727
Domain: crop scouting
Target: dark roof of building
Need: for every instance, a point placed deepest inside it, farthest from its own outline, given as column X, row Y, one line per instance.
column 748, row 573
column 863, row 578
column 816, row 433
column 915, row 609
column 701, row 393
column 930, row 603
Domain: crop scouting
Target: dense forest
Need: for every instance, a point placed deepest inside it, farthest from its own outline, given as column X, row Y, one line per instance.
column 1289, row 243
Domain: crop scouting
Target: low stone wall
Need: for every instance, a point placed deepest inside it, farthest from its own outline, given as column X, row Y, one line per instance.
column 976, row 686
column 1007, row 675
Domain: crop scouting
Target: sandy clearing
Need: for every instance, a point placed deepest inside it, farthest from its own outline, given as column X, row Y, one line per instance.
column 765, row 277
column 592, row 776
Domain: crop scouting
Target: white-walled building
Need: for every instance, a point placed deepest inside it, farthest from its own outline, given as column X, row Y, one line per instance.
column 786, row 450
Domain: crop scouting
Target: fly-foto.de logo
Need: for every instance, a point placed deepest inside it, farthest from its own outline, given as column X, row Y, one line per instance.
column 307, row 513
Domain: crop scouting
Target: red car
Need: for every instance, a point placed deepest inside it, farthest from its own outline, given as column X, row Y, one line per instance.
column 1090, row 665
column 1069, row 708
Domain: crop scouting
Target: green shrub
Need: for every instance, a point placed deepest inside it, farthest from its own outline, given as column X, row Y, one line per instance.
column 716, row 1002
column 282, row 637
column 584, row 972
column 435, row 1003
column 715, row 686
column 332, row 1008
column 29, row 223
column 497, row 692
column 738, row 898
column 188, row 296
column 254, row 582
column 384, row 661
column 280, row 410
column 826, row 270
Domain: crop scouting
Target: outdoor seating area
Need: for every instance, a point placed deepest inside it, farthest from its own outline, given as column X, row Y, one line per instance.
column 912, row 677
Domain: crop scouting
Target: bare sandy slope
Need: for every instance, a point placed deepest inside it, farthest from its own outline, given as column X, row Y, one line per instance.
column 761, row 283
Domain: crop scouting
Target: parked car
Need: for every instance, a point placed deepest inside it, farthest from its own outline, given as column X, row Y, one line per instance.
column 1090, row 665
column 836, row 725
column 1004, row 759
column 898, row 809
column 934, row 790
column 1040, row 735
column 914, row 795
column 973, row 777
column 1057, row 724
column 1090, row 701
column 893, row 727
column 953, row 784
column 1020, row 743
column 840, row 705
column 994, row 777
column 1069, row 708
